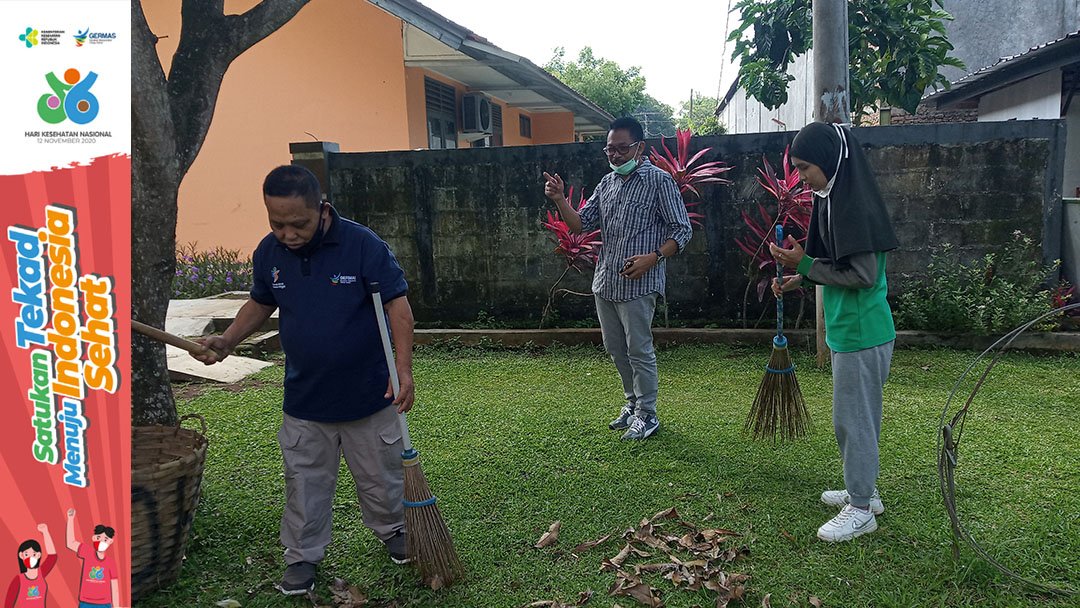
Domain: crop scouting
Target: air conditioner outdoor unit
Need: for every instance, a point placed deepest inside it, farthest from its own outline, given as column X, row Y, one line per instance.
column 476, row 114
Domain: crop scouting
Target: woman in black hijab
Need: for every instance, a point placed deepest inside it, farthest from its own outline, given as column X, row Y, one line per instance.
column 847, row 239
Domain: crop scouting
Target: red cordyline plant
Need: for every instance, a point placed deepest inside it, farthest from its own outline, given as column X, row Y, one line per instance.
column 794, row 204
column 1063, row 295
column 578, row 250
column 687, row 176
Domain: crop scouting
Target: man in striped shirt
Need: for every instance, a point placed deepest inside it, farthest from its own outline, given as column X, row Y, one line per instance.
column 642, row 222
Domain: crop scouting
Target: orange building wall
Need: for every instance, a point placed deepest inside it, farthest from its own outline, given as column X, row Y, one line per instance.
column 336, row 70
column 512, row 129
column 552, row 128
column 417, row 107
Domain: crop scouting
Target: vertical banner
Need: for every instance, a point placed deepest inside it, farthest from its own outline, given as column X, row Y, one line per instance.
column 65, row 197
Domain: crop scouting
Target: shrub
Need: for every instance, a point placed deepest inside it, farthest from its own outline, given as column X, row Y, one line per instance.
column 205, row 273
column 991, row 295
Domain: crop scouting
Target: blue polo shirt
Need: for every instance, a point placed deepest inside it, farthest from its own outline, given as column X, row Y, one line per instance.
column 335, row 370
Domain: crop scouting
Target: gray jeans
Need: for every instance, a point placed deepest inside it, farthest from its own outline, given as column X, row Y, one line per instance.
column 627, row 331
column 312, row 452
column 858, row 379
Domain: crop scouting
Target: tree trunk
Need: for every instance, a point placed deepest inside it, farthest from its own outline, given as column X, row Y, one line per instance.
column 155, row 181
column 170, row 119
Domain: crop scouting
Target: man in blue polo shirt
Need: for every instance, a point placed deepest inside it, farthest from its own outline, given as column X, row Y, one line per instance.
column 315, row 268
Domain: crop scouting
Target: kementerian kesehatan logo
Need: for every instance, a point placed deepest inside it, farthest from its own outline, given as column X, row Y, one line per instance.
column 71, row 98
column 80, row 38
column 30, row 37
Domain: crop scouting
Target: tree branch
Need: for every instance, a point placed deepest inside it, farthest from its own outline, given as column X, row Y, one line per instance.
column 152, row 128
column 209, row 42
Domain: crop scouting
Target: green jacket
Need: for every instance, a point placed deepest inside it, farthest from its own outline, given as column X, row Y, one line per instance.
column 855, row 319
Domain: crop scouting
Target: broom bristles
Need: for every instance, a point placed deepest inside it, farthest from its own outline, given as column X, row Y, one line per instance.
column 778, row 410
column 428, row 541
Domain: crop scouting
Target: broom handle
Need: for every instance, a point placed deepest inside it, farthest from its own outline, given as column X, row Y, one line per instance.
column 780, row 283
column 380, row 316
column 165, row 337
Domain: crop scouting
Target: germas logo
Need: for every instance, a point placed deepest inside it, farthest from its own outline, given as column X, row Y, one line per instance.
column 30, row 37
column 86, row 36
column 71, row 98
column 342, row 279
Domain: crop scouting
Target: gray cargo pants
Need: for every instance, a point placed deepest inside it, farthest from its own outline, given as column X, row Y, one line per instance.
column 312, row 453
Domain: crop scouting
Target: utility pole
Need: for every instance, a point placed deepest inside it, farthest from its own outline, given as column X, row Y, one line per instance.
column 831, row 61
column 830, row 32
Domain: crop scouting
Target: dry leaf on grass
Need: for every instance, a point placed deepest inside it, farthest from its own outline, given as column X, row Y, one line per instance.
column 585, row 546
column 787, row 535
column 436, row 583
column 665, row 514
column 632, row 586
column 616, row 562
column 815, row 602
column 653, row 568
column 766, row 602
column 346, row 596
column 550, row 537
column 228, row 603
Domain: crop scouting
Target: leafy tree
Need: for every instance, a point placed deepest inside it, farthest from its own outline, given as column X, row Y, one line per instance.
column 170, row 117
column 699, row 115
column 895, row 46
column 619, row 92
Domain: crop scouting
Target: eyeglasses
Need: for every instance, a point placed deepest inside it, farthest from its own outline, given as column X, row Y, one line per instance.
column 619, row 149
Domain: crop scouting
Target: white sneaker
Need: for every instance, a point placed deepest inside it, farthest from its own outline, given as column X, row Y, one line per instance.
column 839, row 498
column 848, row 524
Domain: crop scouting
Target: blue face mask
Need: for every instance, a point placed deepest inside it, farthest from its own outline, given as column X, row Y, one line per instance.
column 625, row 168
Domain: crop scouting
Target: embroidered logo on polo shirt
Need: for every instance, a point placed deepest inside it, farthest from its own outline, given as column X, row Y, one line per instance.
column 342, row 279
column 275, row 276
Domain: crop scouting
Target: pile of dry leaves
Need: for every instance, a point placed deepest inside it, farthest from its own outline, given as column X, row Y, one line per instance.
column 666, row 546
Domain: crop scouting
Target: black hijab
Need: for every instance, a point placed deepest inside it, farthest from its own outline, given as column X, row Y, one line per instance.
column 857, row 220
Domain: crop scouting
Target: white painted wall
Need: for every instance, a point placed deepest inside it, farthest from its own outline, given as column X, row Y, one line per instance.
column 1035, row 97
column 743, row 115
column 1072, row 149
column 1070, row 228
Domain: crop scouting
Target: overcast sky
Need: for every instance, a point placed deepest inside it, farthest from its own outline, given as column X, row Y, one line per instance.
column 678, row 44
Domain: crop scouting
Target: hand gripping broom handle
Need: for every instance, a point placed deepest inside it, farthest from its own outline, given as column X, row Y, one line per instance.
column 780, row 340
column 380, row 316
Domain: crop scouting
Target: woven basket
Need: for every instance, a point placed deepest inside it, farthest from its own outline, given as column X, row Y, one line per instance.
column 166, row 477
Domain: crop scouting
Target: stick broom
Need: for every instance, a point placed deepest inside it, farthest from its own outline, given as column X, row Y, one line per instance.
column 428, row 539
column 779, row 409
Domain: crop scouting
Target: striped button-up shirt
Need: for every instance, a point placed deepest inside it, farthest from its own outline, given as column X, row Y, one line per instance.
column 635, row 217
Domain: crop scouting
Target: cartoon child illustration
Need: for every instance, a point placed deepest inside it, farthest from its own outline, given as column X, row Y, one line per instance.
column 29, row 587
column 99, row 586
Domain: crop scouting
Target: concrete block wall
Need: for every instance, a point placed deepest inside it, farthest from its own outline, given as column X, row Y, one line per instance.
column 465, row 224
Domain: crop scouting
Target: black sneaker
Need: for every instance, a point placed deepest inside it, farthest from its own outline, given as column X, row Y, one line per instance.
column 397, row 548
column 299, row 578
column 641, row 427
column 623, row 420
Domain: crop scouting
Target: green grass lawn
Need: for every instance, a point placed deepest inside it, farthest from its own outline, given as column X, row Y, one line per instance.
column 512, row 441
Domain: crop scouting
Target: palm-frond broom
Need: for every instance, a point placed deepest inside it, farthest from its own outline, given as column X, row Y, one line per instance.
column 428, row 540
column 779, row 410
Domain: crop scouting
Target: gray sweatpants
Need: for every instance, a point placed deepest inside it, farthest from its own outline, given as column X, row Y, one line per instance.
column 312, row 453
column 627, row 331
column 858, row 380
